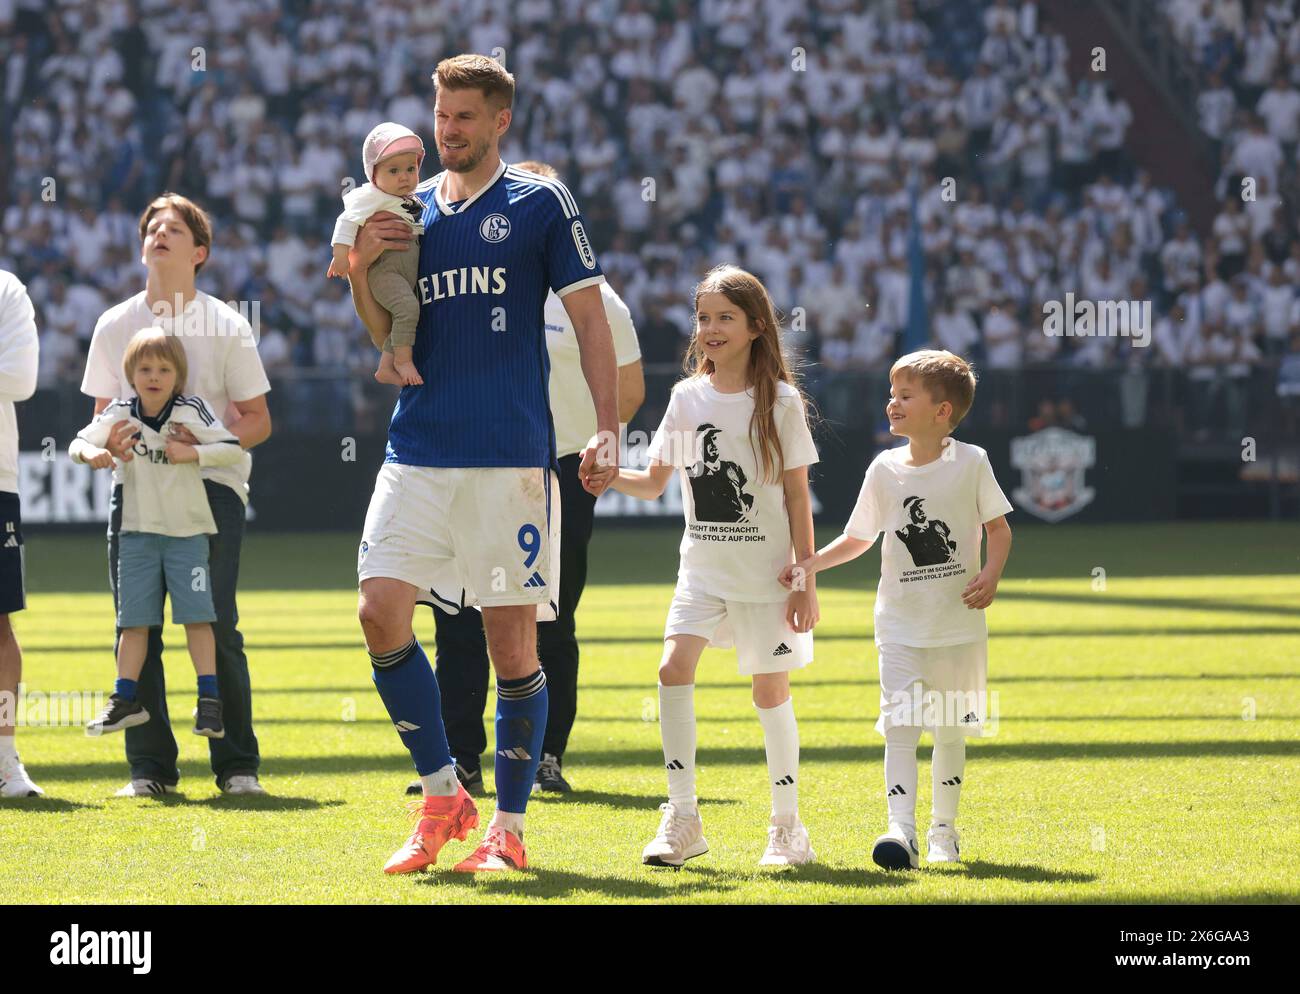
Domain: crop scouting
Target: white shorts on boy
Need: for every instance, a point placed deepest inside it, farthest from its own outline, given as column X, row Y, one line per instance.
column 471, row 537
column 764, row 640
column 931, row 686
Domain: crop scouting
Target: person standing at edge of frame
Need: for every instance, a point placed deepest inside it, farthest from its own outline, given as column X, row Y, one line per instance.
column 461, row 650
column 224, row 369
column 19, row 355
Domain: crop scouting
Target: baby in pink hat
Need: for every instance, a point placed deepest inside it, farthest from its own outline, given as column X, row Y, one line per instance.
column 392, row 156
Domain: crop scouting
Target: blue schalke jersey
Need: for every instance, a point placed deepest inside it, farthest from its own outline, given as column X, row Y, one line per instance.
column 486, row 264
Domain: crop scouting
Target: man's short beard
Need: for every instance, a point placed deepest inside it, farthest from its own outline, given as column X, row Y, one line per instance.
column 473, row 162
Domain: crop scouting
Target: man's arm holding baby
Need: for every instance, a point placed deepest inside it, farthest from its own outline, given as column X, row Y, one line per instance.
column 384, row 230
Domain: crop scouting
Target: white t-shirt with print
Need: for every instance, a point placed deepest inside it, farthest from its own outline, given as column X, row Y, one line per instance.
column 737, row 537
column 931, row 516
column 220, row 351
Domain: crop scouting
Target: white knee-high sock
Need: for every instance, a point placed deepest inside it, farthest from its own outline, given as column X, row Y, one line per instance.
column 900, row 773
column 947, row 771
column 781, row 737
column 677, row 728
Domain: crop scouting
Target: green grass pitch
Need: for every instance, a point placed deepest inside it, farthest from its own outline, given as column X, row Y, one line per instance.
column 1145, row 749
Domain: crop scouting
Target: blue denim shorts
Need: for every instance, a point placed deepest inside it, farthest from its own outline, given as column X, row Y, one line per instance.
column 149, row 565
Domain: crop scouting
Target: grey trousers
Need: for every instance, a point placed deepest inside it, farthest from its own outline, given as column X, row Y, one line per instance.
column 392, row 283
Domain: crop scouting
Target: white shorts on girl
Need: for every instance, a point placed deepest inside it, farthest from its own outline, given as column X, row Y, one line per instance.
column 472, row 537
column 764, row 641
column 934, row 686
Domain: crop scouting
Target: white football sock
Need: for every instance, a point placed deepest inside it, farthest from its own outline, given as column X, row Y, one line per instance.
column 781, row 737
column 8, row 746
column 441, row 783
column 947, row 771
column 511, row 822
column 900, row 773
column 677, row 728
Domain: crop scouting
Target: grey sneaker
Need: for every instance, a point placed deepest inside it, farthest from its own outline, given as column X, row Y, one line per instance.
column 117, row 714
column 242, row 783
column 207, row 719
column 549, row 777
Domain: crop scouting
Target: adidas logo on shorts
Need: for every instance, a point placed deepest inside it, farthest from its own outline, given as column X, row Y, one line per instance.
column 782, row 650
column 12, row 542
column 535, row 580
column 970, row 718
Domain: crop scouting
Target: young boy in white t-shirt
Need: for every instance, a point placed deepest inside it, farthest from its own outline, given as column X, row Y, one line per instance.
column 930, row 498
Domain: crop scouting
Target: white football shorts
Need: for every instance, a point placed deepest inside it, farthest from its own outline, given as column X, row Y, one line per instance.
column 933, row 686
column 764, row 641
column 472, row 537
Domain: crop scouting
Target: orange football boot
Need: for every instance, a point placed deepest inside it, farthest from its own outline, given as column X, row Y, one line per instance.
column 499, row 850
column 440, row 820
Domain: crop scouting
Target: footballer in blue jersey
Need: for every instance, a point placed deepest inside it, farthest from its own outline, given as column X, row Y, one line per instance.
column 465, row 510
column 486, row 264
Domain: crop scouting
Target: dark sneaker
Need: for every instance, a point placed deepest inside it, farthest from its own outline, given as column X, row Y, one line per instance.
column 471, row 778
column 207, row 719
column 549, row 777
column 118, row 713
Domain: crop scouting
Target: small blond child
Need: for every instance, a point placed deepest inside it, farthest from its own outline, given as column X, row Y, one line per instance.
column 165, row 522
column 392, row 155
column 932, row 498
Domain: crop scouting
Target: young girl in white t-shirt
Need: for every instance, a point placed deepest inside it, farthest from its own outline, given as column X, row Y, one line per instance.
column 736, row 429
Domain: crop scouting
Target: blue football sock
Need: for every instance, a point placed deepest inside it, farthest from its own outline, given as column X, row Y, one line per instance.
column 521, row 723
column 125, row 688
column 407, row 686
column 208, row 686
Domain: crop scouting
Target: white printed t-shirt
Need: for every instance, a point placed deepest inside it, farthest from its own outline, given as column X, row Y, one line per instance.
column 220, row 350
column 931, row 516
column 737, row 537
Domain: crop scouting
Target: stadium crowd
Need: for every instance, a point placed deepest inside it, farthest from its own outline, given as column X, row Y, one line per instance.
column 691, row 133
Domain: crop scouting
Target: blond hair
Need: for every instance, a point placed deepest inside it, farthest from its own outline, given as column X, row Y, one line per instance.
column 476, row 72
column 540, row 168
column 768, row 367
column 944, row 376
column 194, row 217
column 154, row 343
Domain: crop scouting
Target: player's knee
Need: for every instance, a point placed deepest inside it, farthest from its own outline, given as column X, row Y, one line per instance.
column 903, row 736
column 771, row 690
column 948, row 735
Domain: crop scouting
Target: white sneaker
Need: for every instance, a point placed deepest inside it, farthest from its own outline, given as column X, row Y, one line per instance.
column 144, row 787
column 14, row 781
column 896, row 849
column 243, row 783
column 680, row 837
column 787, row 843
column 941, row 845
